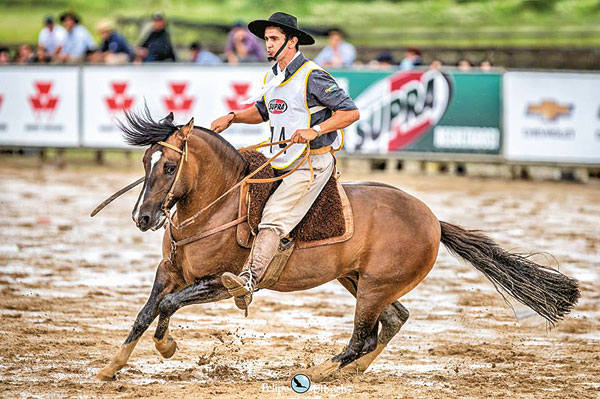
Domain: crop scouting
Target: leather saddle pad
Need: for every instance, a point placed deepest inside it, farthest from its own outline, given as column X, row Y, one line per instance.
column 328, row 221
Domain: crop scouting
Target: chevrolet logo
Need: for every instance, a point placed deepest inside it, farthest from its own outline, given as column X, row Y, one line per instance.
column 549, row 110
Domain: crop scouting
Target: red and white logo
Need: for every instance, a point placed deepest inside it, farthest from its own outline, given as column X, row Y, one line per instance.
column 178, row 101
column 396, row 111
column 1, row 98
column 119, row 101
column 277, row 106
column 240, row 94
column 43, row 101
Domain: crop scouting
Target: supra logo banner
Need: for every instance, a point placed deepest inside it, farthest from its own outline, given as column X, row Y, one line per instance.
column 277, row 106
column 398, row 110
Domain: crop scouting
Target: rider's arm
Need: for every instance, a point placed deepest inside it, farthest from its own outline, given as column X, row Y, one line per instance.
column 323, row 90
column 250, row 115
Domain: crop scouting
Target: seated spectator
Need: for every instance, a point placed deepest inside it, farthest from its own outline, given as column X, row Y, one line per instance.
column 485, row 65
column 25, row 55
column 385, row 60
column 41, row 56
column 4, row 56
column 202, row 57
column 51, row 37
column 78, row 41
column 114, row 49
column 338, row 53
column 464, row 65
column 412, row 59
column 157, row 46
column 436, row 65
column 242, row 46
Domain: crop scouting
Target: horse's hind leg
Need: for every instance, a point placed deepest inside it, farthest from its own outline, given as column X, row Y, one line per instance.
column 162, row 286
column 208, row 289
column 392, row 319
column 371, row 300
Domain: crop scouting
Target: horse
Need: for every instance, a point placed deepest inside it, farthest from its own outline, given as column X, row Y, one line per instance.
column 394, row 246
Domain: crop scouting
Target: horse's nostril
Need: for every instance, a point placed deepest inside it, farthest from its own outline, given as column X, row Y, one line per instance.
column 144, row 220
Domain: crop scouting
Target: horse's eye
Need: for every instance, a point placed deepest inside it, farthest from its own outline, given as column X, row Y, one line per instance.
column 170, row 169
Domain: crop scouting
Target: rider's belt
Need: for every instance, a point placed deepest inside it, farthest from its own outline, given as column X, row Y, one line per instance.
column 321, row 150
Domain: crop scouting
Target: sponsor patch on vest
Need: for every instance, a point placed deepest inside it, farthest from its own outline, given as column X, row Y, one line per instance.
column 277, row 106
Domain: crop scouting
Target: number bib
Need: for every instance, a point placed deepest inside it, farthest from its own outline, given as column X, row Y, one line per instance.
column 288, row 112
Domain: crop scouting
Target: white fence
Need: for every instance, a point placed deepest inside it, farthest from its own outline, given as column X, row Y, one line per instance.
column 548, row 117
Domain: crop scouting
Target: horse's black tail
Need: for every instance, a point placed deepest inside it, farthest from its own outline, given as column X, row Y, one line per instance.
column 547, row 291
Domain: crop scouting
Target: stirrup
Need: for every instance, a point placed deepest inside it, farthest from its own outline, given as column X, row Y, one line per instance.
column 238, row 286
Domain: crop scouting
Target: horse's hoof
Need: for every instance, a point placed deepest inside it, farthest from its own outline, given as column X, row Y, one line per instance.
column 168, row 348
column 106, row 375
column 320, row 372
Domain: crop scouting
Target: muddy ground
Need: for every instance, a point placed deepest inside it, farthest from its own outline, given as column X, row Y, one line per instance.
column 70, row 287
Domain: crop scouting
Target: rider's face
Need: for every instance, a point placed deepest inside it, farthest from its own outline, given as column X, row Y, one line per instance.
column 274, row 38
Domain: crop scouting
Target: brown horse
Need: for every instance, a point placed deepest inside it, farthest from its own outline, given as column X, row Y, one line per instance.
column 394, row 246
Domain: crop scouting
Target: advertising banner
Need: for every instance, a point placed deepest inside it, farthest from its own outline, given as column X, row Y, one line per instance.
column 39, row 106
column 204, row 93
column 426, row 111
column 552, row 117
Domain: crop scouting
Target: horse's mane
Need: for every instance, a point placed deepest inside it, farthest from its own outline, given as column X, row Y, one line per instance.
column 142, row 130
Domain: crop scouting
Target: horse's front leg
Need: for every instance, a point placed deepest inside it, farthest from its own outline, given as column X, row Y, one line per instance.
column 207, row 289
column 163, row 285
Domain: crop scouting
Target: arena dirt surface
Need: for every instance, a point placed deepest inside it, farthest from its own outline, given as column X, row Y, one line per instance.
column 71, row 286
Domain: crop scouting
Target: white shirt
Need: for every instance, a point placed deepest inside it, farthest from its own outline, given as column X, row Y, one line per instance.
column 50, row 39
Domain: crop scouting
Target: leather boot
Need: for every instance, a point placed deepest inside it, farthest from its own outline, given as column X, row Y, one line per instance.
column 242, row 286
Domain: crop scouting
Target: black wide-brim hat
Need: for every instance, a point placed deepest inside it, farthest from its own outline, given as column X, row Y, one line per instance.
column 288, row 23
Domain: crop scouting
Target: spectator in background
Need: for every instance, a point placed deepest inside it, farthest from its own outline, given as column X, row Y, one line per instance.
column 464, row 65
column 157, row 46
column 78, row 42
column 51, row 37
column 41, row 56
column 339, row 53
column 384, row 60
column 25, row 55
column 202, row 57
column 114, row 49
column 242, row 46
column 436, row 65
column 485, row 65
column 4, row 56
column 412, row 59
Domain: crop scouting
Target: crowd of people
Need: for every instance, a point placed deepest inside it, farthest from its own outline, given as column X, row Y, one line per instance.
column 71, row 42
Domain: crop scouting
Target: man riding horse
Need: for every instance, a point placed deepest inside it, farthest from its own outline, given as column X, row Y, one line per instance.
column 302, row 102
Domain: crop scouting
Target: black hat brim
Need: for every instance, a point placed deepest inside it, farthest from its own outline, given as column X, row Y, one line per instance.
column 258, row 29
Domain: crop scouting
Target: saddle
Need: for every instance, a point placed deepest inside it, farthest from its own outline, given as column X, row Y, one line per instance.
column 328, row 221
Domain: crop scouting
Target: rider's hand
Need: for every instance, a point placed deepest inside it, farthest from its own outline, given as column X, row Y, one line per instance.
column 222, row 123
column 304, row 135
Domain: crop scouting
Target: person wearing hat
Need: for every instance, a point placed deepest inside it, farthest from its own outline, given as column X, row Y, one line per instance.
column 302, row 102
column 51, row 37
column 114, row 49
column 157, row 46
column 78, row 41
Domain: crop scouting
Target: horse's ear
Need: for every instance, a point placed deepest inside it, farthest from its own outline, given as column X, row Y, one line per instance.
column 169, row 118
column 186, row 130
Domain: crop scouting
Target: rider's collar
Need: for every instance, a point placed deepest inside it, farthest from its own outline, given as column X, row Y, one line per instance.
column 292, row 67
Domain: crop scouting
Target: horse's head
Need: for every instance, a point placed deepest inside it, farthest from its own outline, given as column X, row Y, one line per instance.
column 165, row 183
